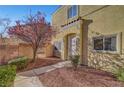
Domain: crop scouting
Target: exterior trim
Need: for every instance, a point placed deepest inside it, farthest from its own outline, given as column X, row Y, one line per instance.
column 118, row 46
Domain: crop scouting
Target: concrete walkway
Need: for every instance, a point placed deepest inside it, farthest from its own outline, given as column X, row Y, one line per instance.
column 30, row 78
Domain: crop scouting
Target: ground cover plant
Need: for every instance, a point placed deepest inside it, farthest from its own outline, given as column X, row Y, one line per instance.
column 7, row 75
column 20, row 62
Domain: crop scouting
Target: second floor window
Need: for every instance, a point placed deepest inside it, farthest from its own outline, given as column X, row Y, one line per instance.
column 72, row 11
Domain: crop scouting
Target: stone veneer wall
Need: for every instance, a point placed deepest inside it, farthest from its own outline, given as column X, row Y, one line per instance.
column 105, row 61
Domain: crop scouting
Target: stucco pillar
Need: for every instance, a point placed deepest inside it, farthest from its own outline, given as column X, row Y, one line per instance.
column 84, row 41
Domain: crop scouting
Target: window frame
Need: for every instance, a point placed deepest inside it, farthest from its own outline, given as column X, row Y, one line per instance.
column 94, row 38
column 70, row 10
column 104, row 37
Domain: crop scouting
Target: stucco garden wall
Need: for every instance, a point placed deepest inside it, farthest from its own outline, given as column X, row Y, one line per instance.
column 8, row 52
column 25, row 50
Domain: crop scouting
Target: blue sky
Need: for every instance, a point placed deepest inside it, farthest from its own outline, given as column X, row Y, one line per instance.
column 16, row 12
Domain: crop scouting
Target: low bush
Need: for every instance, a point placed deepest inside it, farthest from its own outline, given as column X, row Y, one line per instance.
column 7, row 75
column 75, row 61
column 20, row 62
column 119, row 73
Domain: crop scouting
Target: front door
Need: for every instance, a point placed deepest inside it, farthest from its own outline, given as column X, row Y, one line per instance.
column 72, row 46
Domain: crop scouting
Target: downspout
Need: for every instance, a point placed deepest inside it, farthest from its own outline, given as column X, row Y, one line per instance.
column 121, row 50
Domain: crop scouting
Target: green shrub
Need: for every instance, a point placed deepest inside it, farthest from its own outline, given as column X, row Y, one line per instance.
column 7, row 75
column 20, row 62
column 75, row 61
column 119, row 73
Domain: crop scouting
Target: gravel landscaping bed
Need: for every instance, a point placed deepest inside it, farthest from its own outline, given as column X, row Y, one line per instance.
column 83, row 77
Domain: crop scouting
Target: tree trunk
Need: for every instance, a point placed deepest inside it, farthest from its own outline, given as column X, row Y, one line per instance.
column 34, row 55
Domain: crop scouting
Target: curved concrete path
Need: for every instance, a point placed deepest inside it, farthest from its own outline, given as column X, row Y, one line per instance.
column 30, row 78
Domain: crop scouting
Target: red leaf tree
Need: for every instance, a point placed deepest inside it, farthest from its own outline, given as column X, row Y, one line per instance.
column 35, row 30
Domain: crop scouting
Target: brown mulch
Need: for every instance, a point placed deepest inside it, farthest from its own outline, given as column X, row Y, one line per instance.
column 83, row 77
column 40, row 63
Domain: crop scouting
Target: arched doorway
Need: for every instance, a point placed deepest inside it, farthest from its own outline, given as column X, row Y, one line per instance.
column 71, row 45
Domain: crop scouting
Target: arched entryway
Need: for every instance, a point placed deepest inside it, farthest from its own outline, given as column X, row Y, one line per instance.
column 74, row 41
column 71, row 45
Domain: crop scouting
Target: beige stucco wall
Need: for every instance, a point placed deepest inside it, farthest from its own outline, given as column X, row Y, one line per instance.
column 106, row 20
column 84, row 10
column 59, row 17
column 63, row 34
